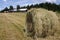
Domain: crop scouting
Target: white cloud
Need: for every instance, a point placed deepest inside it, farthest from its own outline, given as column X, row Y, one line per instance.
column 4, row 0
column 51, row 1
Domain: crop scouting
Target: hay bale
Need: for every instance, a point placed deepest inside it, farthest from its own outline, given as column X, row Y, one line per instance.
column 41, row 23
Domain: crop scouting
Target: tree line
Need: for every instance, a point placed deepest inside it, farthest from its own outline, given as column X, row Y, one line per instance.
column 49, row 6
column 11, row 8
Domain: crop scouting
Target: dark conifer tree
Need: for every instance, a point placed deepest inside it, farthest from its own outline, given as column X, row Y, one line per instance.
column 18, row 7
column 11, row 8
column 6, row 9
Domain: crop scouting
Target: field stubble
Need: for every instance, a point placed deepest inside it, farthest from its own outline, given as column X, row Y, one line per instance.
column 12, row 25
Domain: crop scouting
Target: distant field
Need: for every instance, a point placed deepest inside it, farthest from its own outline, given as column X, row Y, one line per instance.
column 12, row 25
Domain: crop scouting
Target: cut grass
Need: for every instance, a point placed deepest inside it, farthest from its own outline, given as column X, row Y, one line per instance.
column 12, row 25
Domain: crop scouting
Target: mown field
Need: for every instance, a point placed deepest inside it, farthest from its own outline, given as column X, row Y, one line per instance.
column 12, row 25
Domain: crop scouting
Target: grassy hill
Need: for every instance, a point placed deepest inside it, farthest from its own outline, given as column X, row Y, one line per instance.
column 12, row 25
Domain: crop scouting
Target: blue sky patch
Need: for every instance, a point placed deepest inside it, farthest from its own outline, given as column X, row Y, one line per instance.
column 7, row 3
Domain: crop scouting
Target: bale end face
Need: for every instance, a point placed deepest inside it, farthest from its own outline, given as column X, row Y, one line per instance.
column 41, row 24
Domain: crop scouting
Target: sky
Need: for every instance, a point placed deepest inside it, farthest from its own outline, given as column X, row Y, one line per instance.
column 7, row 3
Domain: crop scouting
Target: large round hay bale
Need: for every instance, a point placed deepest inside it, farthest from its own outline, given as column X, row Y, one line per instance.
column 41, row 23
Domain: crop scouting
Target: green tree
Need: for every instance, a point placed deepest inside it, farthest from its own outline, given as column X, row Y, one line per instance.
column 11, row 8
column 6, row 9
column 18, row 7
column 28, row 7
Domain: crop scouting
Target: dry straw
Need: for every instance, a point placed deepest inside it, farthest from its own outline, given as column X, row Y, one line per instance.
column 41, row 23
